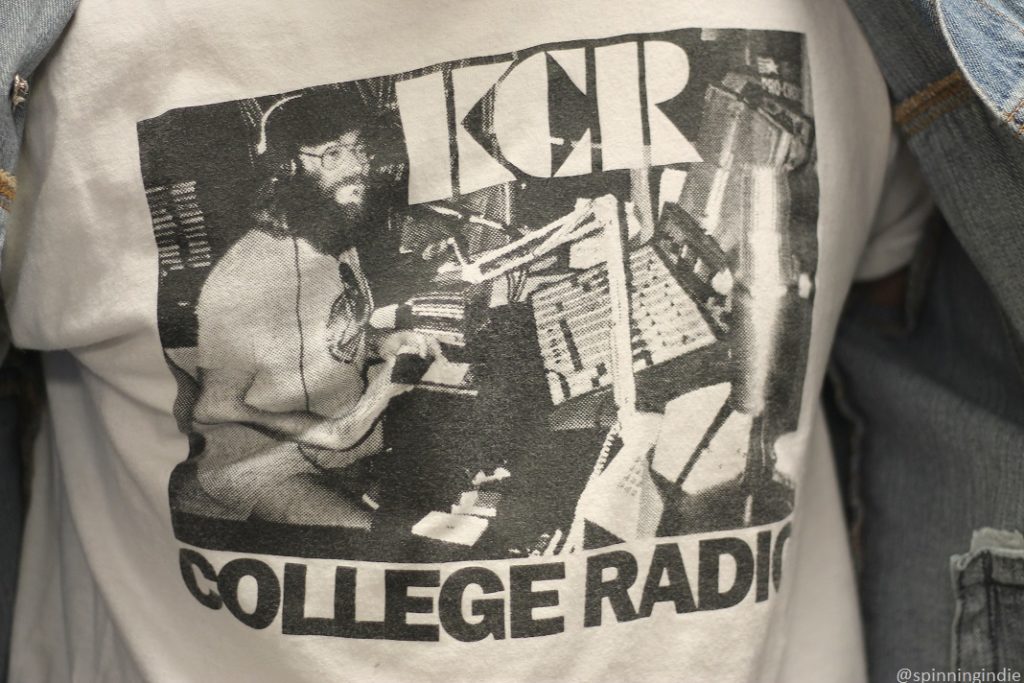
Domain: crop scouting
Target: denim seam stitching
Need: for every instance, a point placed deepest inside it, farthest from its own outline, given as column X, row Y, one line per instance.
column 921, row 109
column 913, row 104
column 1002, row 15
column 1010, row 115
column 991, row 604
column 927, row 118
column 1020, row 29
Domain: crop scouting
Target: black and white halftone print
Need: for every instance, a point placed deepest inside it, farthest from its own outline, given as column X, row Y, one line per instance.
column 518, row 305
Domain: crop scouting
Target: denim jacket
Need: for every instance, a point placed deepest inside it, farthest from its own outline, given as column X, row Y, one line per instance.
column 940, row 403
column 28, row 30
column 956, row 71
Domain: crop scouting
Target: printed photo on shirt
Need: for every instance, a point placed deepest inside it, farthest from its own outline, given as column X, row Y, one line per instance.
column 508, row 306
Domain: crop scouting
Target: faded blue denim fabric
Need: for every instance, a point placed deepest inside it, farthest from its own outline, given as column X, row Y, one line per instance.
column 986, row 37
column 28, row 30
column 972, row 159
column 936, row 390
column 991, row 573
column 938, row 453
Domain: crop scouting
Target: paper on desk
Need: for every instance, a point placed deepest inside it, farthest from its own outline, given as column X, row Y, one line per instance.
column 446, row 373
column 458, row 529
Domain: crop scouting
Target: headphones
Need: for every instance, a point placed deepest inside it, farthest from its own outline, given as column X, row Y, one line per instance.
column 280, row 167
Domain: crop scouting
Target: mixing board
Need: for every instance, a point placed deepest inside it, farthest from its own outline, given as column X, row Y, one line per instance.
column 573, row 320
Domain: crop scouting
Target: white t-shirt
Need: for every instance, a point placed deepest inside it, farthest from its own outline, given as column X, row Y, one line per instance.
column 263, row 313
column 619, row 472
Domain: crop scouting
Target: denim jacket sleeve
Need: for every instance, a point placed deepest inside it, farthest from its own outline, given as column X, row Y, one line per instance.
column 28, row 31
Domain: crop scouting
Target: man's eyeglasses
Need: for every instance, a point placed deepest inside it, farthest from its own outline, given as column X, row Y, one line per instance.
column 337, row 155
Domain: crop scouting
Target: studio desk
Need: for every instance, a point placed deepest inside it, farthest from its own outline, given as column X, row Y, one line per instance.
column 542, row 408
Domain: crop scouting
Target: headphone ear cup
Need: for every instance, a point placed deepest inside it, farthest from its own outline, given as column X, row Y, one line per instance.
column 280, row 166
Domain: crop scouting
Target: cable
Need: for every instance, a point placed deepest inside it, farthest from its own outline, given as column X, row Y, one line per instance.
column 302, row 353
column 298, row 321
